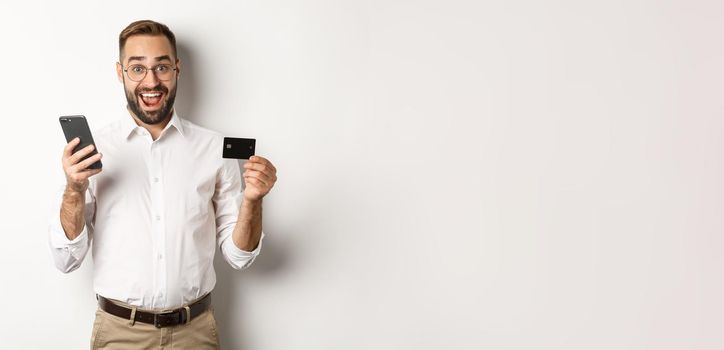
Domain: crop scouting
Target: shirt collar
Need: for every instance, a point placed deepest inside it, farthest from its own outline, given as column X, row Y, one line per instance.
column 128, row 124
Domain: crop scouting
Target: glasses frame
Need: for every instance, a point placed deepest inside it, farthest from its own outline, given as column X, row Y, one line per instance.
column 146, row 69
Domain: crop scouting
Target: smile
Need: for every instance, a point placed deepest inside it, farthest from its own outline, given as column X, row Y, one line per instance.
column 151, row 99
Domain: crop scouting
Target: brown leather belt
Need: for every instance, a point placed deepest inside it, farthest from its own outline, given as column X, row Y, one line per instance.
column 160, row 319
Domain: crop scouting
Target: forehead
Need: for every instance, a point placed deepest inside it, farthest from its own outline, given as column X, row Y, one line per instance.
column 148, row 46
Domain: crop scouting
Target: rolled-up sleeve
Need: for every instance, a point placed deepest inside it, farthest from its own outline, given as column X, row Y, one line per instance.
column 227, row 201
column 69, row 254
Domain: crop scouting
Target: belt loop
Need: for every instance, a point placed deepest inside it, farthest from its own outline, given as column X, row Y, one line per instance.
column 133, row 316
column 188, row 314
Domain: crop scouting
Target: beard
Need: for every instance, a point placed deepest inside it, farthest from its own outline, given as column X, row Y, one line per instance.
column 156, row 116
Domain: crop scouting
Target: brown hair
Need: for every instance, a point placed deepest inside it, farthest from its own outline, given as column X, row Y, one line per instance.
column 146, row 27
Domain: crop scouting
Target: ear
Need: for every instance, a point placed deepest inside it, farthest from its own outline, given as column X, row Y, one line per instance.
column 178, row 68
column 119, row 72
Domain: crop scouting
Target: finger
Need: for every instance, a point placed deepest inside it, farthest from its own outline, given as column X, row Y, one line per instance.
column 68, row 149
column 266, row 162
column 266, row 167
column 86, row 163
column 255, row 181
column 88, row 173
column 84, row 175
column 77, row 156
column 259, row 175
column 256, row 178
column 261, row 160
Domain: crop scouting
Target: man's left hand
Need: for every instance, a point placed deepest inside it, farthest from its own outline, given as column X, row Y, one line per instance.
column 259, row 178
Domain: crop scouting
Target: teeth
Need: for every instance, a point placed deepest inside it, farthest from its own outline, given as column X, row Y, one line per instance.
column 151, row 95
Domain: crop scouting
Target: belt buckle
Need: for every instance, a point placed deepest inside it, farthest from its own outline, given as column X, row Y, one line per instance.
column 157, row 317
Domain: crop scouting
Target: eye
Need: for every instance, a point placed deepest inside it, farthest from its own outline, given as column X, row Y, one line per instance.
column 137, row 69
column 163, row 68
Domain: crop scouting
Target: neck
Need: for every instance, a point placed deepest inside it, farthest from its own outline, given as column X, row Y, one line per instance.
column 154, row 129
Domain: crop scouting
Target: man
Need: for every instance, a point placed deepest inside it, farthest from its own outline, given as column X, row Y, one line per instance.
column 164, row 199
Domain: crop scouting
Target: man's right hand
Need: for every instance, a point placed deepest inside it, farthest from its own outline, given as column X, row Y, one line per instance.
column 76, row 173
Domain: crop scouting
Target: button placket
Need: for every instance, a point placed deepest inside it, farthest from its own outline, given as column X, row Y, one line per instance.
column 158, row 224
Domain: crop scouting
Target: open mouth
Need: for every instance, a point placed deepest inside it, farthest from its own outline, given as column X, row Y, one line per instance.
column 151, row 99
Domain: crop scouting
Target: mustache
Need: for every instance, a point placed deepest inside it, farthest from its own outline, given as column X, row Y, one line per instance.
column 159, row 88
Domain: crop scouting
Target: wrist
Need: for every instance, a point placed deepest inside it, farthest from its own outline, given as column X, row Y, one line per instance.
column 251, row 201
column 69, row 190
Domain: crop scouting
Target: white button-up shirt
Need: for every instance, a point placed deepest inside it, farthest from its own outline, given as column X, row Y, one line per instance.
column 155, row 214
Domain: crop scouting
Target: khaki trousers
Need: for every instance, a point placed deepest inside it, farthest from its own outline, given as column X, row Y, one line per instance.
column 111, row 332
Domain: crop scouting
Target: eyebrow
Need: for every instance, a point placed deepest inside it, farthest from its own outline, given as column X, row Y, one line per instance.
column 143, row 58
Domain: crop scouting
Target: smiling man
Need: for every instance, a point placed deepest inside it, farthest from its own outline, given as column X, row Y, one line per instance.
column 154, row 215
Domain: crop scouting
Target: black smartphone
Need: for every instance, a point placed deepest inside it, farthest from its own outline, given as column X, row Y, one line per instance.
column 238, row 148
column 76, row 126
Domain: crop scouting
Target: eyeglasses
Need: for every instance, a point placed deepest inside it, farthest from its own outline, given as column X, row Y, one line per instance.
column 137, row 72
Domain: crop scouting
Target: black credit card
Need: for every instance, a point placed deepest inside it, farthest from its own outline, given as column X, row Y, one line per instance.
column 238, row 148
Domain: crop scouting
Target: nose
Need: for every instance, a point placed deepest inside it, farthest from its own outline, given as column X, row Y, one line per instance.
column 150, row 79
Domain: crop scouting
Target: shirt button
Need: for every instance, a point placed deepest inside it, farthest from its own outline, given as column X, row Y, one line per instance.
column 155, row 179
column 158, row 217
column 160, row 256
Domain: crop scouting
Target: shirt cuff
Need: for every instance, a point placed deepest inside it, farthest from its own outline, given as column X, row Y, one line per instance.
column 58, row 239
column 236, row 253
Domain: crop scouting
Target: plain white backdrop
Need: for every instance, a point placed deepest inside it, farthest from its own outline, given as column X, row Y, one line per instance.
column 452, row 174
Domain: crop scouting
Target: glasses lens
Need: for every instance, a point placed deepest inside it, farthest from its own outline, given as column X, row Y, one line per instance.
column 164, row 71
column 136, row 72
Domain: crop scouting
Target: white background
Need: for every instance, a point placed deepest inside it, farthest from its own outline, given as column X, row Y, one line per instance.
column 452, row 174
